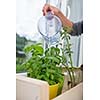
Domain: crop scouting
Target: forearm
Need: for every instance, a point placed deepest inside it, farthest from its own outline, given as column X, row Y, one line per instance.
column 65, row 21
column 77, row 28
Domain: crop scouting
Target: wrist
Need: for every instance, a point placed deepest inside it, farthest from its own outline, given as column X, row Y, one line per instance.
column 65, row 22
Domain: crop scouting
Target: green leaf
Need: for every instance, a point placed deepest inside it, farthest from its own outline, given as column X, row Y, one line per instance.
column 36, row 49
column 52, row 77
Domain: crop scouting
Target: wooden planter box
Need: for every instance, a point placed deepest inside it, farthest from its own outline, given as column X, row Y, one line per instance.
column 33, row 89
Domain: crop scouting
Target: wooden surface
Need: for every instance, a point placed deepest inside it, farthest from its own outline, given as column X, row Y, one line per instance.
column 31, row 89
column 75, row 93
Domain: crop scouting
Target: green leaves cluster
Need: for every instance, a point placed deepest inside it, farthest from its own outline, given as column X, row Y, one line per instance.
column 43, row 65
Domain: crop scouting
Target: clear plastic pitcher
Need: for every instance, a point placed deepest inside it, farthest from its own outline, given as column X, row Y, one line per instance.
column 49, row 27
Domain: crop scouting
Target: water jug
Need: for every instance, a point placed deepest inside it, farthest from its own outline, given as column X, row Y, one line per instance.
column 49, row 27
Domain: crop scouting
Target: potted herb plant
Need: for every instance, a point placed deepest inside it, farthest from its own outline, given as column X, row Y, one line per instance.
column 45, row 65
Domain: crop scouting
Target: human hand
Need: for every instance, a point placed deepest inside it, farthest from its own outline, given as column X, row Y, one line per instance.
column 58, row 13
column 48, row 7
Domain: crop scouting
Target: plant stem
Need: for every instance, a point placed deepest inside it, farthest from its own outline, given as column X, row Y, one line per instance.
column 69, row 74
column 70, row 58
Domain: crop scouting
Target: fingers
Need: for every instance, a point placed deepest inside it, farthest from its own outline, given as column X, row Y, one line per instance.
column 45, row 9
column 52, row 10
column 48, row 7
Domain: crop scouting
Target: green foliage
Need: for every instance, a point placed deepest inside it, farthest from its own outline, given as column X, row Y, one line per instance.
column 67, row 46
column 34, row 49
column 20, row 68
column 67, row 54
column 43, row 65
column 20, row 42
column 19, row 62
